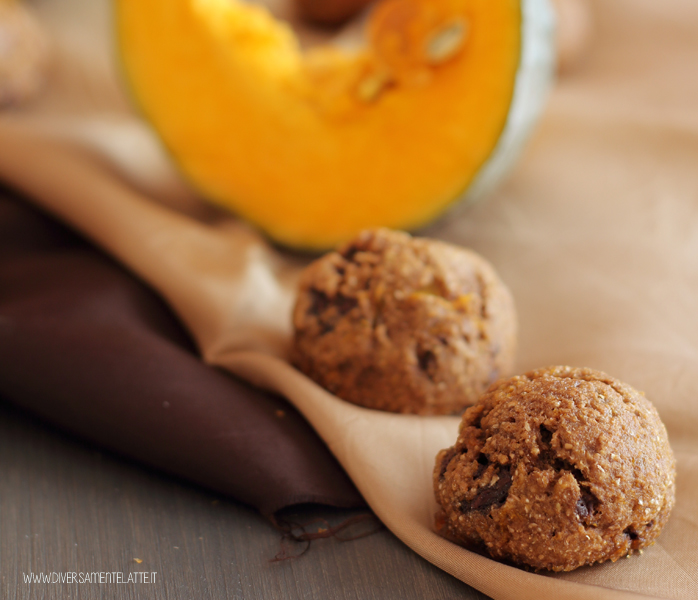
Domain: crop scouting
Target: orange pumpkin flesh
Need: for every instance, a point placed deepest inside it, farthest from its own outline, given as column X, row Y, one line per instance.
column 314, row 145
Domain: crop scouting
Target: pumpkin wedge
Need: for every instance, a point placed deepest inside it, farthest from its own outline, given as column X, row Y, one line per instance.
column 315, row 144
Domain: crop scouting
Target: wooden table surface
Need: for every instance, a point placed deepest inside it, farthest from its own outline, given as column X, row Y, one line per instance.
column 67, row 507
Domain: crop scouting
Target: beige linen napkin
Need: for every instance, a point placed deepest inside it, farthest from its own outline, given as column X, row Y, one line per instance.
column 596, row 233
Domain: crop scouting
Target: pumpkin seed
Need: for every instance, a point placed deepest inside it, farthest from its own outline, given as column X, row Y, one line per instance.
column 371, row 86
column 444, row 44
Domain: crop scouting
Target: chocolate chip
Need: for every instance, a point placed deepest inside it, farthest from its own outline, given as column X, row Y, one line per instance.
column 631, row 533
column 426, row 360
column 582, row 509
column 344, row 303
column 546, row 436
column 493, row 495
column 325, row 327
column 350, row 252
column 586, row 506
column 320, row 302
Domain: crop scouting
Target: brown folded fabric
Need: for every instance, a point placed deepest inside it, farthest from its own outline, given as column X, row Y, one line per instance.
column 91, row 349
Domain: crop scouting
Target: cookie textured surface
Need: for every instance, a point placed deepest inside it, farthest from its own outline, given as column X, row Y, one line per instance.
column 404, row 324
column 556, row 469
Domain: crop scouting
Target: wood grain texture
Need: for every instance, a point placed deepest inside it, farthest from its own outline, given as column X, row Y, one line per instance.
column 66, row 506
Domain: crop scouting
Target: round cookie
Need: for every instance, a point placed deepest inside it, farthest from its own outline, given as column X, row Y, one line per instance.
column 557, row 469
column 404, row 324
